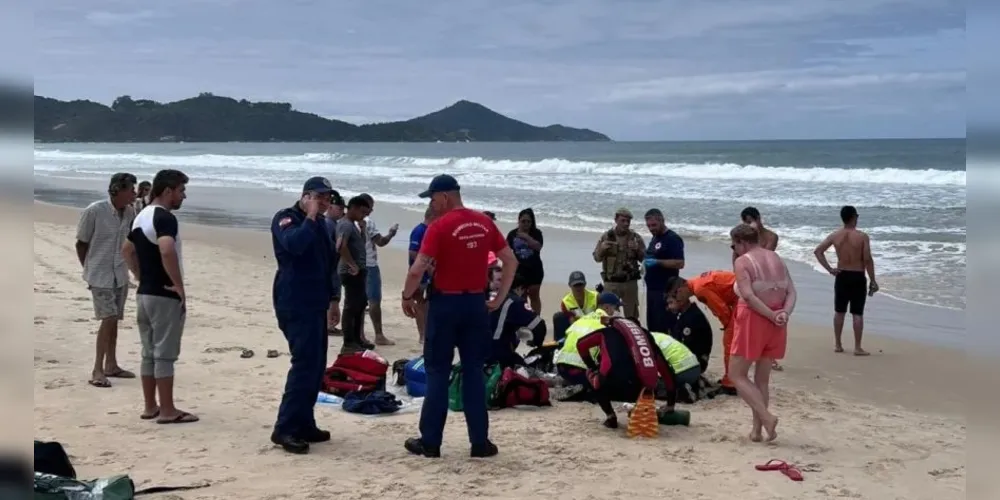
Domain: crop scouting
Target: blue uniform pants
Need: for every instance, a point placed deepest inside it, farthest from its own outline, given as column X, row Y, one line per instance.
column 658, row 318
column 460, row 321
column 307, row 342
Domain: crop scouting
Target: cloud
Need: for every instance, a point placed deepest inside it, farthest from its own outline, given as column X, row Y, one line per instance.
column 631, row 68
column 774, row 82
column 106, row 18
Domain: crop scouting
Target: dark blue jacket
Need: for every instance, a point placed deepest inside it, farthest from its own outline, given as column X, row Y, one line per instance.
column 513, row 315
column 302, row 250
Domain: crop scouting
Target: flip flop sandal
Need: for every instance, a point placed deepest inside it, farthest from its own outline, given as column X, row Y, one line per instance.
column 181, row 418
column 779, row 465
column 246, row 354
column 120, row 373
column 272, row 353
column 150, row 416
column 103, row 384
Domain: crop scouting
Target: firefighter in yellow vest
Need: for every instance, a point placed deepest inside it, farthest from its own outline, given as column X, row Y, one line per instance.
column 683, row 363
column 569, row 364
column 578, row 303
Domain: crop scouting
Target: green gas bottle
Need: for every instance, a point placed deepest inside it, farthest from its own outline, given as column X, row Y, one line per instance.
column 676, row 417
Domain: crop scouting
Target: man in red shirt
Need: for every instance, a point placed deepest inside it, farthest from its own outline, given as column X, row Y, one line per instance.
column 455, row 248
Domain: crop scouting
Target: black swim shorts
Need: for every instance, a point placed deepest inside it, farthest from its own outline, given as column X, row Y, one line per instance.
column 850, row 291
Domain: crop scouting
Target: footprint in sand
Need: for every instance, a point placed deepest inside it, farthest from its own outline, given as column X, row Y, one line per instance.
column 832, row 490
column 81, row 320
column 948, row 473
column 58, row 383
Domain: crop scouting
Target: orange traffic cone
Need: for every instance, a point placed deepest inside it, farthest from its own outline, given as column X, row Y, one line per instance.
column 643, row 420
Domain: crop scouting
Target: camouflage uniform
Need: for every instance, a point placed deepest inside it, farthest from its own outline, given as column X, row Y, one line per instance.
column 620, row 265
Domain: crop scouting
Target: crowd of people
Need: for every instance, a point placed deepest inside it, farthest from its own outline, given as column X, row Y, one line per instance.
column 464, row 278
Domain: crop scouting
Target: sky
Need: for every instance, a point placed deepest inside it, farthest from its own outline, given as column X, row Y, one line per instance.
column 633, row 69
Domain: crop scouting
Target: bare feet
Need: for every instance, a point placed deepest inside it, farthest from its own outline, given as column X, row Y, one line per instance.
column 861, row 352
column 756, row 436
column 838, row 349
column 383, row 340
column 772, row 428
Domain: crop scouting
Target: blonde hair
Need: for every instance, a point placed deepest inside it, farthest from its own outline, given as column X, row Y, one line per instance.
column 745, row 233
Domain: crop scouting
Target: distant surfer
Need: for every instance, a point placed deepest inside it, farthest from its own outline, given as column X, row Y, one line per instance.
column 850, row 289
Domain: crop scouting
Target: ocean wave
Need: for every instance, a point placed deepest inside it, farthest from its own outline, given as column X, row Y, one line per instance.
column 549, row 166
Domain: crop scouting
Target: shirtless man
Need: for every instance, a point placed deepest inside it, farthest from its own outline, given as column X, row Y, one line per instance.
column 768, row 240
column 850, row 291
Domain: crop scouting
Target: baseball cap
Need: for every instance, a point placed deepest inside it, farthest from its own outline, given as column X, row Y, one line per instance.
column 577, row 278
column 336, row 200
column 441, row 184
column 318, row 185
column 609, row 299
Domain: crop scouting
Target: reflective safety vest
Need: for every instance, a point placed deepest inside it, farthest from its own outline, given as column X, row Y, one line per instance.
column 582, row 327
column 589, row 302
column 679, row 357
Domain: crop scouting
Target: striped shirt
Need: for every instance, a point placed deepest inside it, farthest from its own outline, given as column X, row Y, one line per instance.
column 105, row 231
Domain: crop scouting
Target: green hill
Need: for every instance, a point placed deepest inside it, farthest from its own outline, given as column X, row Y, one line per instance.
column 211, row 118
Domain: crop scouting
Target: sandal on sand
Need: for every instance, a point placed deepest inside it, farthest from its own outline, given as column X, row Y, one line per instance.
column 181, row 418
column 334, row 332
column 150, row 416
column 788, row 470
column 96, row 382
column 120, row 373
column 246, row 354
column 272, row 353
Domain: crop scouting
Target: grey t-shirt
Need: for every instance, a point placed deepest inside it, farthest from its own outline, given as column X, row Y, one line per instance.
column 353, row 240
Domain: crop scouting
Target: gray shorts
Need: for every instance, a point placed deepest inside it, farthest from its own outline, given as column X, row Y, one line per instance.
column 109, row 302
column 161, row 323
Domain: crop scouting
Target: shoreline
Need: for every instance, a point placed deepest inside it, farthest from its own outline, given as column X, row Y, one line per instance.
column 566, row 251
column 857, row 427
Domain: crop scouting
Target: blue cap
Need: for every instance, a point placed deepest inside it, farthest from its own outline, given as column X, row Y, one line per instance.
column 441, row 184
column 317, row 185
column 608, row 299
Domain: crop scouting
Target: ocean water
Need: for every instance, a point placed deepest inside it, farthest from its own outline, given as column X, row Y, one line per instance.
column 911, row 194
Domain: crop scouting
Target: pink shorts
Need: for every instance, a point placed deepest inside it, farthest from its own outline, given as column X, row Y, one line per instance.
column 756, row 337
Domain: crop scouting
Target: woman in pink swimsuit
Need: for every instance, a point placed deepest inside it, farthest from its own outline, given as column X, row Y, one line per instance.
column 767, row 298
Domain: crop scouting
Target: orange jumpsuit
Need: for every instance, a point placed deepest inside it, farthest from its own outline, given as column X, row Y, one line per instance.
column 715, row 290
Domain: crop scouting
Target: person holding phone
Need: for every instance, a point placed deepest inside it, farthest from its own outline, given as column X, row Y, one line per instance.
column 302, row 291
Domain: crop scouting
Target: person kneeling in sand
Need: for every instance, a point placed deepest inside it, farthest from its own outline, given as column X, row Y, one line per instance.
column 508, row 321
column 630, row 364
column 767, row 298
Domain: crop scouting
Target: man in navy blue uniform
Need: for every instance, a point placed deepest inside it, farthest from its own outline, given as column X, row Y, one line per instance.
column 664, row 260
column 302, row 291
column 513, row 315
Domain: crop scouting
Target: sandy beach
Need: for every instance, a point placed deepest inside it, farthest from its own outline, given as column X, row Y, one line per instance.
column 887, row 427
